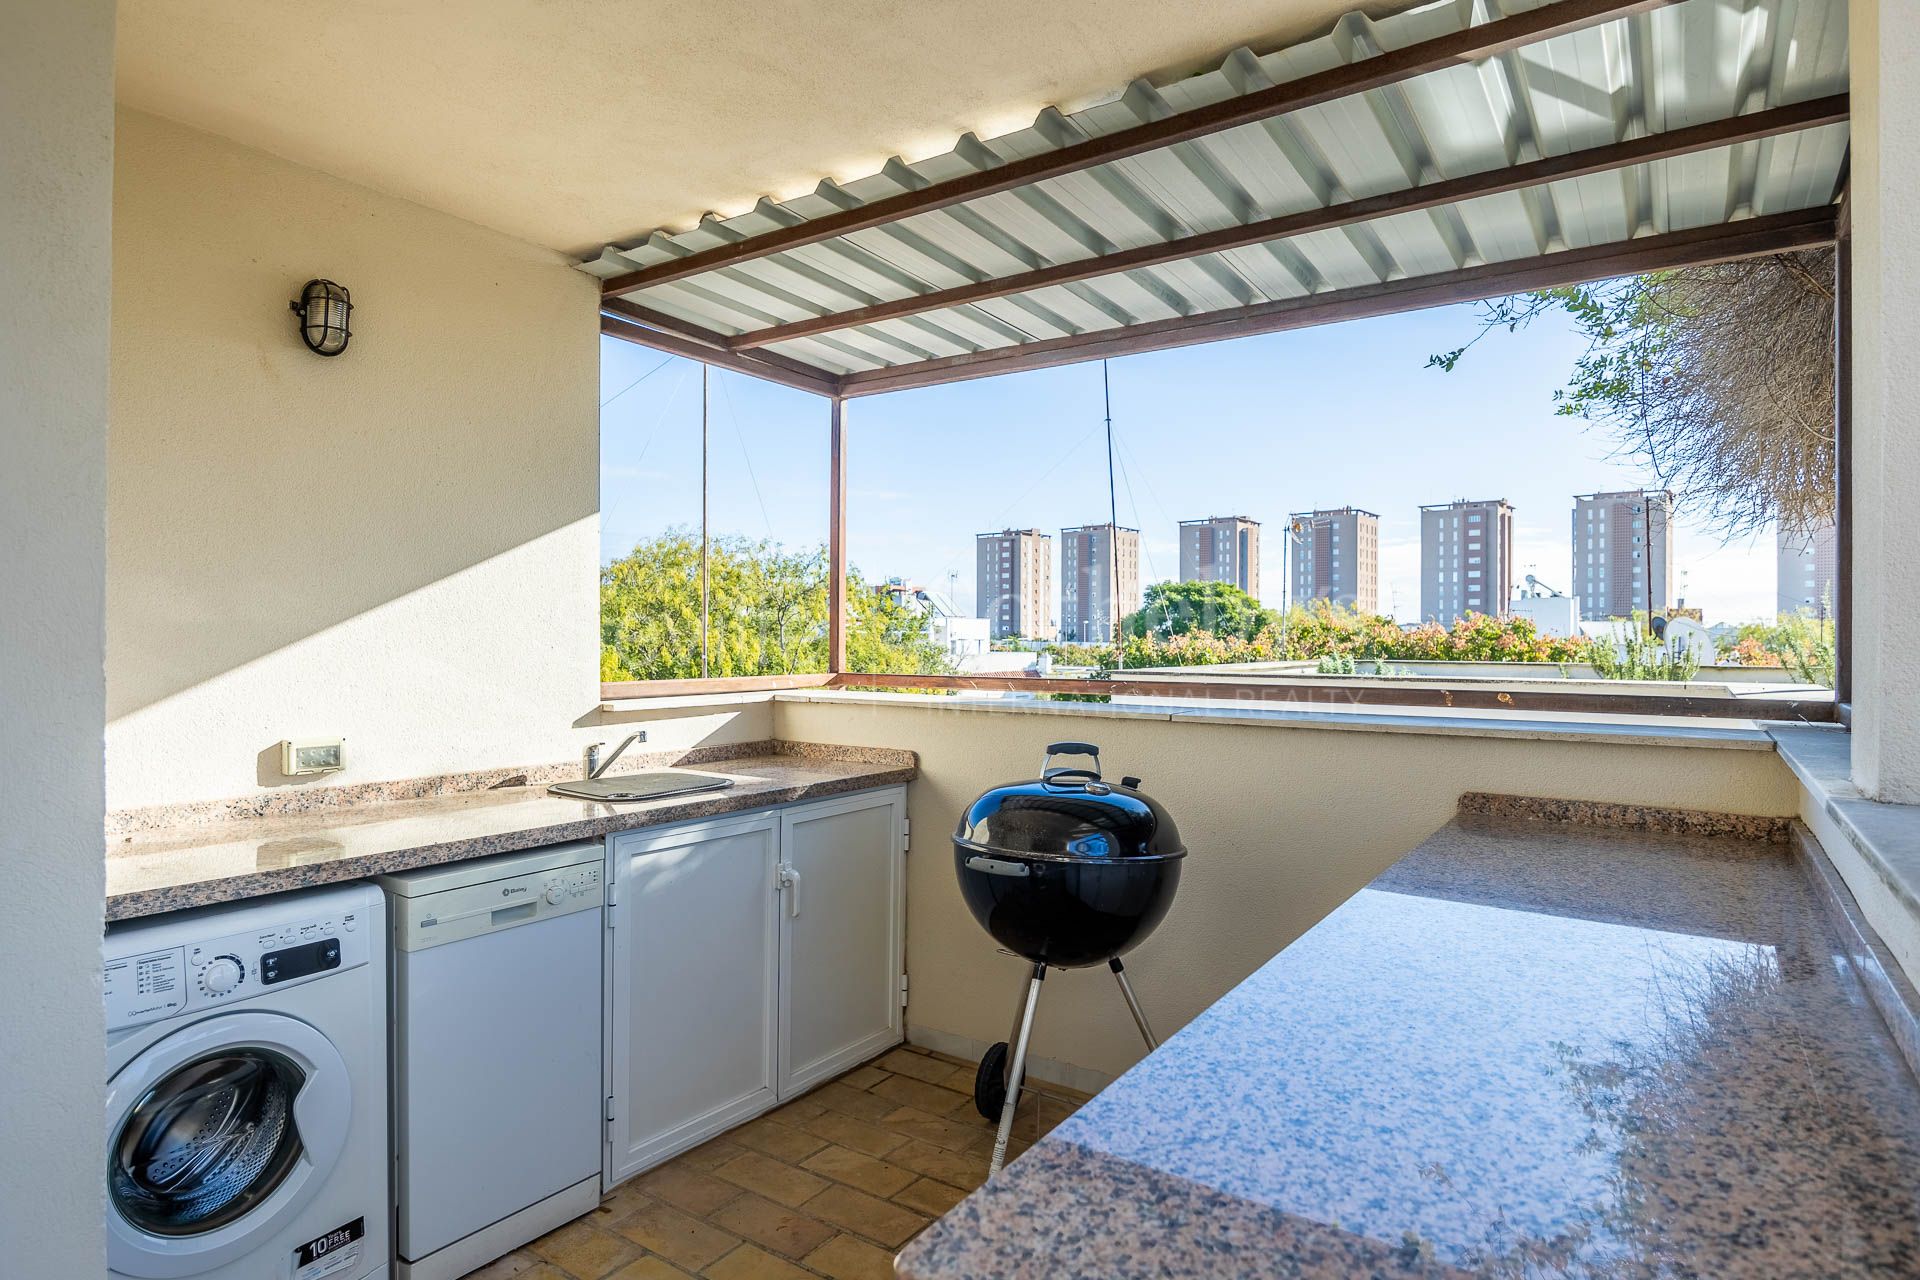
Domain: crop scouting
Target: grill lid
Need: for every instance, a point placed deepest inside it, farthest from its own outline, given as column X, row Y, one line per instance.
column 1070, row 815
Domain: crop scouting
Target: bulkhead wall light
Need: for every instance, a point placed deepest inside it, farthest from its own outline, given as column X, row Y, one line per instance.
column 323, row 308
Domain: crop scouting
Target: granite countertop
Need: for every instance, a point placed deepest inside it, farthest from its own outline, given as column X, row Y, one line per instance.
column 1529, row 1049
column 166, row 869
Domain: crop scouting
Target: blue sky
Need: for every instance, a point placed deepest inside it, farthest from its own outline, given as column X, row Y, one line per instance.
column 1259, row 426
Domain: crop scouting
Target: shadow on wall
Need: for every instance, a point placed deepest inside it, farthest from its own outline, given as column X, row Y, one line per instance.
column 260, row 494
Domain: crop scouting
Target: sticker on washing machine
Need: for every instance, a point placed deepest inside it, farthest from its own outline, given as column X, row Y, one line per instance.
column 331, row 1254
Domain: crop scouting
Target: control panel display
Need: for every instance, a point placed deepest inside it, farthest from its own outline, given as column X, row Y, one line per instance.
column 298, row 962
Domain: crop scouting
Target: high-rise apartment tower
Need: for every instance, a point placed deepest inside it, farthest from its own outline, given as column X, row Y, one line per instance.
column 1466, row 559
column 1623, row 553
column 1013, row 582
column 1809, row 572
column 1091, row 603
column 1221, row 549
column 1336, row 557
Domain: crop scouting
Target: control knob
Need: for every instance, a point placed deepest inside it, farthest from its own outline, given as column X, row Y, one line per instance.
column 222, row 974
column 555, row 893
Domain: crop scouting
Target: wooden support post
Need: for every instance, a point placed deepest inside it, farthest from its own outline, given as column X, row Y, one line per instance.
column 837, row 540
column 706, row 535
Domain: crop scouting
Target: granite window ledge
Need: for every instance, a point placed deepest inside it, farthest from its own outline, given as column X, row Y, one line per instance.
column 1737, row 735
column 1874, row 846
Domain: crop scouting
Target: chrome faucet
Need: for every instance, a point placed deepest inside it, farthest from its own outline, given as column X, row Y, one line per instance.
column 598, row 764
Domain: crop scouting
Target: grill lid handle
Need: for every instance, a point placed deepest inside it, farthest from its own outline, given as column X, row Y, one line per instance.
column 1048, row 772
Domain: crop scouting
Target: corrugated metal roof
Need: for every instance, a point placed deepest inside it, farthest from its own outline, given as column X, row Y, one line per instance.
column 1654, row 72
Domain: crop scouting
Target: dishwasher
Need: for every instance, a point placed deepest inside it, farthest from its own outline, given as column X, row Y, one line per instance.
column 496, row 1005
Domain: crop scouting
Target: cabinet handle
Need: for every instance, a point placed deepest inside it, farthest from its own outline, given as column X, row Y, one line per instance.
column 790, row 881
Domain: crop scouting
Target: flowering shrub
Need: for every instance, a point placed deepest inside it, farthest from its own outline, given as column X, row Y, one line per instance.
column 1751, row 651
column 1805, row 645
column 1322, row 630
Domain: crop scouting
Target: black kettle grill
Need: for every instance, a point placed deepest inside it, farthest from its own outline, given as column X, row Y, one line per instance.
column 1066, row 871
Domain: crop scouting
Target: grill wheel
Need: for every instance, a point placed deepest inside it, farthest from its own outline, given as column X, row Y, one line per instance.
column 990, row 1082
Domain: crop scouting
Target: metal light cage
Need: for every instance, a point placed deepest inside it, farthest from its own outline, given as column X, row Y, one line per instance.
column 323, row 308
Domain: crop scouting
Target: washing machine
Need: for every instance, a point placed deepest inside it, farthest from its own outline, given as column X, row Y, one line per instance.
column 247, row 1091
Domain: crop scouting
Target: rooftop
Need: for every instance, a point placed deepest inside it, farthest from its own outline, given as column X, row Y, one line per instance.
column 1334, row 511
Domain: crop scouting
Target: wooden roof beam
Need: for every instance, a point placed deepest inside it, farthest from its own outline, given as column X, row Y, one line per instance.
column 1466, row 46
column 614, row 323
column 1699, row 246
column 1661, row 146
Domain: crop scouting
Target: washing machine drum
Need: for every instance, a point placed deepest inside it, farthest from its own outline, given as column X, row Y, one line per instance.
column 218, row 1136
column 207, row 1143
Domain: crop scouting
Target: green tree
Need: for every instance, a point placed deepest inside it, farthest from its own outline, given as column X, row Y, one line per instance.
column 1176, row 608
column 884, row 637
column 1720, row 379
column 767, row 614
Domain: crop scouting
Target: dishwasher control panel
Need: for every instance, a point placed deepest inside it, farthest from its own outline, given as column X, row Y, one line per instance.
column 471, row 910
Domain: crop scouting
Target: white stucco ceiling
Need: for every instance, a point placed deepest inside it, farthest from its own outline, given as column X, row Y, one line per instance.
column 571, row 123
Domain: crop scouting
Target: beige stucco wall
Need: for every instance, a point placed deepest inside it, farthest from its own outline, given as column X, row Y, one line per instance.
column 1885, row 591
column 1284, row 823
column 56, row 171
column 397, row 545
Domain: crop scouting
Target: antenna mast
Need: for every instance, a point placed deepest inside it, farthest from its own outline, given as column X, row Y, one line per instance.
column 1113, row 528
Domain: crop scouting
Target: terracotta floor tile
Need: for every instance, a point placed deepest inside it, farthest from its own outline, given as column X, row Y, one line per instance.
column 837, row 1180
column 749, row 1263
column 907, row 1062
column 515, row 1266
column 708, row 1155
column 1026, row 1130
column 772, row 1226
column 931, row 1098
column 781, row 1141
column 863, row 1077
column 1052, row 1111
column 621, row 1201
column 682, row 1240
column 958, row 1059
column 929, row 1196
column 848, row 1258
column 875, row 1177
column 584, row 1251
column 686, row 1188
column 961, row 1078
column 955, row 1133
column 649, row 1267
column 799, row 1109
column 850, row 1102
column 856, row 1211
column 956, row 1168
column 771, row 1178
column 860, row 1135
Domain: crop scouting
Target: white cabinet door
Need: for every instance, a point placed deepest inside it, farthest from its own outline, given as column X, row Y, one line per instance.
column 841, row 934
column 694, row 961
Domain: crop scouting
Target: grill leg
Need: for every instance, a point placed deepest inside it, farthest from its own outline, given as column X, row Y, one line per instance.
column 1010, row 1080
column 1017, row 1073
column 1133, row 1005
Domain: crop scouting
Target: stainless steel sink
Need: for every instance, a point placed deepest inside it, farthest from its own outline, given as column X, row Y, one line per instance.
column 653, row 785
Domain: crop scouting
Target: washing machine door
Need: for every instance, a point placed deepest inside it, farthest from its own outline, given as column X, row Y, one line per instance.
column 217, row 1136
